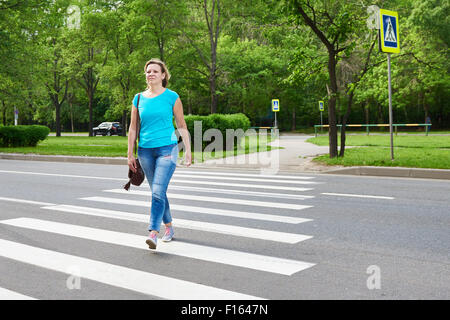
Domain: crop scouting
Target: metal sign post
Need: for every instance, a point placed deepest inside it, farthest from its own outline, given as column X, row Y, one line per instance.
column 16, row 116
column 275, row 124
column 390, row 106
column 321, row 121
column 390, row 43
column 321, row 108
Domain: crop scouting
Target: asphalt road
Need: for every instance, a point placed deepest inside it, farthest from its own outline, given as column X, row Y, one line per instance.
column 68, row 232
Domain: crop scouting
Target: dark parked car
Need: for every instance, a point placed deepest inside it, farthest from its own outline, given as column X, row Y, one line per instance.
column 108, row 129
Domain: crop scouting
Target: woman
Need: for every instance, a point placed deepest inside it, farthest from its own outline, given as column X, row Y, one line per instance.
column 158, row 149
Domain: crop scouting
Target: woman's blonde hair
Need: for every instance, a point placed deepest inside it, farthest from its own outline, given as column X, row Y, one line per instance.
column 163, row 69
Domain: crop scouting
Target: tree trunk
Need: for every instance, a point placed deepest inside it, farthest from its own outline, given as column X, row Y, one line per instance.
column 344, row 123
column 69, row 100
column 332, row 104
column 124, row 123
column 125, row 90
column 425, row 107
column 293, row 126
column 55, row 91
column 380, row 113
column 58, row 116
column 419, row 100
column 366, row 109
column 91, row 97
column 212, row 86
column 189, row 105
column 213, row 39
column 91, row 85
column 4, row 113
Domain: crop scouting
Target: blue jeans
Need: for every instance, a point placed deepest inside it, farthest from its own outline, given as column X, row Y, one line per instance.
column 159, row 165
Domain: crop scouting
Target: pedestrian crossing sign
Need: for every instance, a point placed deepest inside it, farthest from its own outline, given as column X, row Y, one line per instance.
column 389, row 40
column 321, row 108
column 275, row 105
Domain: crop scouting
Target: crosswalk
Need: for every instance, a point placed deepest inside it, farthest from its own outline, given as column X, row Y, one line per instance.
column 225, row 198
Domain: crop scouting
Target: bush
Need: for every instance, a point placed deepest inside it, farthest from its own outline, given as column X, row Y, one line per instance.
column 22, row 136
column 222, row 122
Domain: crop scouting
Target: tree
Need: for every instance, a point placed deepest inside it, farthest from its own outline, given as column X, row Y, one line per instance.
column 119, row 74
column 224, row 56
column 158, row 21
column 211, row 11
column 19, row 85
column 87, row 52
column 52, row 65
column 333, row 22
column 350, row 92
column 420, row 73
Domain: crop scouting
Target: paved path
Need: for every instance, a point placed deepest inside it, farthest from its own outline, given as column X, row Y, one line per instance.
column 294, row 154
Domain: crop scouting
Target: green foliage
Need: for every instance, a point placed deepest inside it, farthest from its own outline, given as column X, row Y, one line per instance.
column 221, row 122
column 22, row 136
column 264, row 51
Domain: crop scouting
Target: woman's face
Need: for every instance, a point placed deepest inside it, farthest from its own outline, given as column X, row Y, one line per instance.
column 154, row 74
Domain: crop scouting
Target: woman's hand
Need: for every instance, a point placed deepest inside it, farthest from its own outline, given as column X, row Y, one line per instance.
column 188, row 159
column 132, row 163
column 182, row 128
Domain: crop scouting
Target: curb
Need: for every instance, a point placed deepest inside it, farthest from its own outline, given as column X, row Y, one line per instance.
column 399, row 172
column 59, row 158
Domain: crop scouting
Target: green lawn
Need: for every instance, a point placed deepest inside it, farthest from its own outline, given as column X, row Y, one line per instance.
column 115, row 147
column 409, row 151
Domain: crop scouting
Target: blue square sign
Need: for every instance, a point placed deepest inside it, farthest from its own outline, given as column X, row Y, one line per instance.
column 275, row 105
column 389, row 33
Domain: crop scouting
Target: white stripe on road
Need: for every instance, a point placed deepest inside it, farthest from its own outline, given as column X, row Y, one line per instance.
column 211, row 254
column 188, row 171
column 189, row 224
column 357, row 195
column 182, row 172
column 60, row 175
column 240, row 192
column 266, row 204
column 250, row 179
column 6, row 294
column 267, row 186
column 175, row 207
column 241, row 185
column 26, row 201
column 275, row 179
column 118, row 276
column 210, row 211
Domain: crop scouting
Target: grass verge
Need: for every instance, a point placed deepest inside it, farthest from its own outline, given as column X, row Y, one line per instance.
column 409, row 151
column 116, row 146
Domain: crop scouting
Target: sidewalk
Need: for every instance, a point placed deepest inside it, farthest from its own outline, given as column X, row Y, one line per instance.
column 295, row 155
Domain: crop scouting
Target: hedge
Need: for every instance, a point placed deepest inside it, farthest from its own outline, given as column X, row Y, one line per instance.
column 222, row 122
column 22, row 136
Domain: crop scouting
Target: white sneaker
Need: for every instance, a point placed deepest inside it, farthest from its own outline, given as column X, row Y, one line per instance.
column 168, row 235
column 152, row 240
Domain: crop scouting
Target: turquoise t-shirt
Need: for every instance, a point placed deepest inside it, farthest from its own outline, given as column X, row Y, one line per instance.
column 156, row 114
